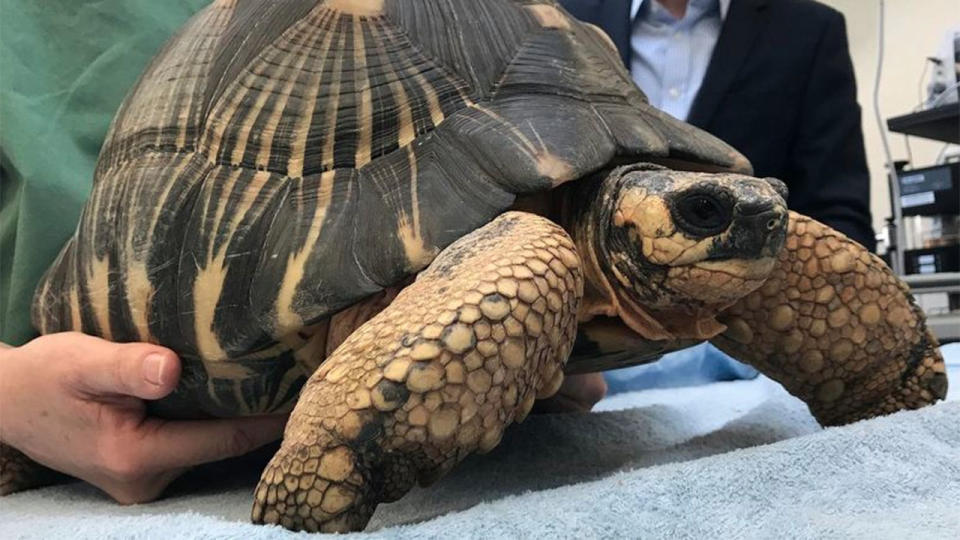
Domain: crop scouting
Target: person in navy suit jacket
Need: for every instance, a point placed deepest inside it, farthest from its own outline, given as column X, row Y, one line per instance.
column 773, row 78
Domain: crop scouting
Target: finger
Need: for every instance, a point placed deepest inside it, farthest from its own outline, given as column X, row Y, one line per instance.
column 140, row 370
column 179, row 444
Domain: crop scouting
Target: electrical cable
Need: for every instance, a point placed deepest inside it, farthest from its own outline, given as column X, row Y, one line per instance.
column 923, row 74
column 894, row 179
column 942, row 155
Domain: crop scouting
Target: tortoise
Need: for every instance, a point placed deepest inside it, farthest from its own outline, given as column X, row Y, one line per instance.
column 409, row 220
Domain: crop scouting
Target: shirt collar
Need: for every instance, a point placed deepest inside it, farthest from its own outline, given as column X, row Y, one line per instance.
column 635, row 8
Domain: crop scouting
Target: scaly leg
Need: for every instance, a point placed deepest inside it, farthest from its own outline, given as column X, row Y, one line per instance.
column 459, row 355
column 837, row 329
column 19, row 473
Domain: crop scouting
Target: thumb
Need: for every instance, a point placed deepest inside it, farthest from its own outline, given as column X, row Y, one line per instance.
column 140, row 370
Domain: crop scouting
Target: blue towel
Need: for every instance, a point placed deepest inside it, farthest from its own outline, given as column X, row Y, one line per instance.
column 739, row 459
column 701, row 364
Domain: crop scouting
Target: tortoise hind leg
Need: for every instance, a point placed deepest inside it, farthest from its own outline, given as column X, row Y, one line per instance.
column 19, row 473
column 459, row 355
column 837, row 329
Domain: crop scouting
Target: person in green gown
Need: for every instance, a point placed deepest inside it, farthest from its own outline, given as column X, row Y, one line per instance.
column 68, row 401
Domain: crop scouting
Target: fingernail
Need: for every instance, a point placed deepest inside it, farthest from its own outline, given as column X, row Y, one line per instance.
column 153, row 369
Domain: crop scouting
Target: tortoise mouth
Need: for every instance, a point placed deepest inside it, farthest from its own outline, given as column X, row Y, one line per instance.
column 719, row 283
column 752, row 269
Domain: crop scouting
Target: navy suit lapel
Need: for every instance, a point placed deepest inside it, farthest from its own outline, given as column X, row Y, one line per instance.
column 615, row 20
column 743, row 24
column 613, row 16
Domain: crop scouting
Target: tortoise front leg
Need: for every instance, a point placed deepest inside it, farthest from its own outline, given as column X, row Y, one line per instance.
column 456, row 357
column 837, row 329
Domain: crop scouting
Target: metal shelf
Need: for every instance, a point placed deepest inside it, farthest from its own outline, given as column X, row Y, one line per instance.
column 946, row 326
column 940, row 123
column 933, row 283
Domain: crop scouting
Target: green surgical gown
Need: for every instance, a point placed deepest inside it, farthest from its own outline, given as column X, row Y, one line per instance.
column 65, row 67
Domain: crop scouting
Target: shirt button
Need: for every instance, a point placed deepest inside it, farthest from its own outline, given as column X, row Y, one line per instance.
column 674, row 93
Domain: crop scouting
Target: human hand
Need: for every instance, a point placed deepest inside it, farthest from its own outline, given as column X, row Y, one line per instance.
column 578, row 393
column 74, row 403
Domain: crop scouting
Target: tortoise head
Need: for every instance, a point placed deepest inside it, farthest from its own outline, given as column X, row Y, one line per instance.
column 667, row 250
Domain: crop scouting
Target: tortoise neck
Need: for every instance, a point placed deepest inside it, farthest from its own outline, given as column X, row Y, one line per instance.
column 583, row 210
column 619, row 282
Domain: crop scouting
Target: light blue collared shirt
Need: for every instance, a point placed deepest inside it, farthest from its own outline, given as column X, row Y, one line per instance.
column 670, row 56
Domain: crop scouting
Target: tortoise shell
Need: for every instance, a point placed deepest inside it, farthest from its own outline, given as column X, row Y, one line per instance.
column 279, row 161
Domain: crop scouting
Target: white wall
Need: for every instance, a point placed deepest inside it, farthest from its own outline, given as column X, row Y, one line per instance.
column 914, row 30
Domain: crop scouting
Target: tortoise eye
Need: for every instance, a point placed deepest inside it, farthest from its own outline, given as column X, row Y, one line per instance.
column 703, row 214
